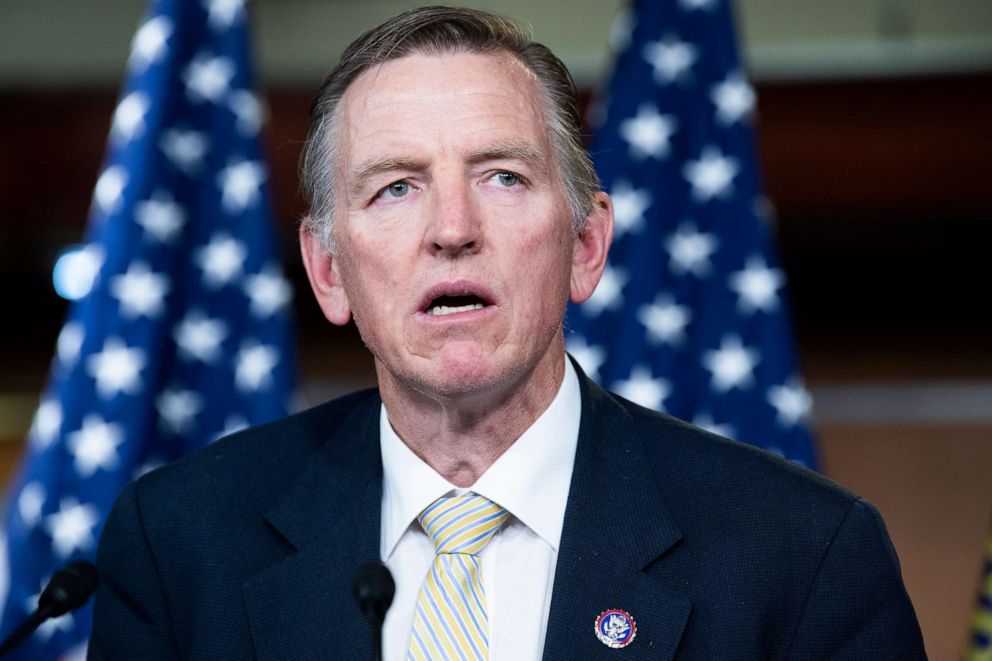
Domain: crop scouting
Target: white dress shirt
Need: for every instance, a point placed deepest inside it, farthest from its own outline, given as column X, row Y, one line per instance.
column 531, row 481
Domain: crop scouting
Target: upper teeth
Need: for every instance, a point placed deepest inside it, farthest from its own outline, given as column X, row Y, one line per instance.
column 444, row 309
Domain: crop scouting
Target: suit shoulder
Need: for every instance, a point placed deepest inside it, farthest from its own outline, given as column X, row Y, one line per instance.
column 696, row 466
column 272, row 453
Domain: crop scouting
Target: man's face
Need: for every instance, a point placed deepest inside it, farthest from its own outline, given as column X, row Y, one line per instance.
column 454, row 248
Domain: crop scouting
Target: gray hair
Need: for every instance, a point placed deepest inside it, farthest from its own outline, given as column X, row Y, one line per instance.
column 436, row 31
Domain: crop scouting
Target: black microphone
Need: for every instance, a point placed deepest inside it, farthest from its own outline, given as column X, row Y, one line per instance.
column 68, row 589
column 373, row 589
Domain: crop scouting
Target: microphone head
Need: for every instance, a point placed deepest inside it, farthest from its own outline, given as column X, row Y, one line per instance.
column 373, row 589
column 69, row 588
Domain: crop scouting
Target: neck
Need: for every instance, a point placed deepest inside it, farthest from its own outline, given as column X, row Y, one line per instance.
column 461, row 436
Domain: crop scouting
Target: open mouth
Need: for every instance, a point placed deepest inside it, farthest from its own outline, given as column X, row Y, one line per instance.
column 456, row 297
column 446, row 304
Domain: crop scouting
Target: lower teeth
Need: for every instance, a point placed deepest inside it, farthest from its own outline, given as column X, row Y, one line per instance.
column 440, row 310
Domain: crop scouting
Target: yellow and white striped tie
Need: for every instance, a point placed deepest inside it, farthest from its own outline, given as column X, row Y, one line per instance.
column 451, row 621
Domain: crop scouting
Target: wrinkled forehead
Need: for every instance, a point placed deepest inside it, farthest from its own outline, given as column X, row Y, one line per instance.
column 452, row 59
column 494, row 91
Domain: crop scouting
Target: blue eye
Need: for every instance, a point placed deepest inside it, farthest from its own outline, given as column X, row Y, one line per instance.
column 396, row 190
column 508, row 179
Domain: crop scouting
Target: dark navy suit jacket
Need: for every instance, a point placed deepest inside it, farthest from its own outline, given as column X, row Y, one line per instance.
column 247, row 550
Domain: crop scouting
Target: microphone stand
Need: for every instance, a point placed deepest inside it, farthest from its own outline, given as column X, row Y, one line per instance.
column 373, row 589
column 27, row 627
column 68, row 589
column 376, row 633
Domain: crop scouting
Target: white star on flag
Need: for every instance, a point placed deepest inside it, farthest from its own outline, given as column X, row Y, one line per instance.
column 642, row 388
column 47, row 423
column 665, row 320
column 82, row 268
column 199, row 337
column 109, row 189
column 621, row 29
column 732, row 365
column 734, row 99
column 129, row 117
column 269, row 292
column 241, row 185
column 94, row 445
column 756, row 286
column 185, row 149
column 30, row 503
column 69, row 343
column 234, row 423
column 160, row 216
column 690, row 250
column 149, row 42
column 147, row 467
column 253, row 366
column 71, row 528
column 648, row 133
column 117, row 368
column 221, row 14
column 671, row 59
column 629, row 205
column 763, row 209
column 777, row 451
column 608, row 293
column 139, row 291
column 249, row 111
column 177, row 407
column 590, row 357
column 692, row 5
column 791, row 401
column 221, row 260
column 712, row 175
column 208, row 78
column 705, row 421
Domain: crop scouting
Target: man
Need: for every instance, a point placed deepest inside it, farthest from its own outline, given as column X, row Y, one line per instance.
column 524, row 512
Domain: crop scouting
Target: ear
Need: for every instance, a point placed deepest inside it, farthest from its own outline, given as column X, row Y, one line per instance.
column 325, row 280
column 590, row 247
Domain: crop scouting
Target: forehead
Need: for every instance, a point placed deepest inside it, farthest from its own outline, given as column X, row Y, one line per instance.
column 442, row 102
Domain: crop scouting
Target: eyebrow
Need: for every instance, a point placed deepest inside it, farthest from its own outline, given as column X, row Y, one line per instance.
column 381, row 166
column 514, row 151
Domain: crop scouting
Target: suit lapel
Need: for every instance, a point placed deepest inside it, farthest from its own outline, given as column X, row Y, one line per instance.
column 616, row 524
column 302, row 606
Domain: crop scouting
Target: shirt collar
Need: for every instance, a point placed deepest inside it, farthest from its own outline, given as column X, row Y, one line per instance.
column 530, row 479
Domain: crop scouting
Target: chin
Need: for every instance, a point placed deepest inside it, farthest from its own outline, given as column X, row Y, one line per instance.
column 463, row 373
column 456, row 372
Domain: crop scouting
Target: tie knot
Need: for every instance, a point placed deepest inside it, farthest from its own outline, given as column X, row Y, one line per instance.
column 462, row 524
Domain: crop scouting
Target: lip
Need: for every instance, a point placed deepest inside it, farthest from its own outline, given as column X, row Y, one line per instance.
column 460, row 287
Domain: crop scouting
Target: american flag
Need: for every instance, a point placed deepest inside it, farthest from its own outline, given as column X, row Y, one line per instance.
column 980, row 644
column 184, row 334
column 690, row 316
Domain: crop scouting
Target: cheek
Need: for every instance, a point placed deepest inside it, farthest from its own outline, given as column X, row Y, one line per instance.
column 550, row 251
column 373, row 260
column 363, row 282
column 546, row 272
column 377, row 280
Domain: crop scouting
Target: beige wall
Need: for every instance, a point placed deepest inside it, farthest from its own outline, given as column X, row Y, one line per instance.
column 933, row 486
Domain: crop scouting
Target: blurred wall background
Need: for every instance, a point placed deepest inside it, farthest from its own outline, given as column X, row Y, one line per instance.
column 874, row 129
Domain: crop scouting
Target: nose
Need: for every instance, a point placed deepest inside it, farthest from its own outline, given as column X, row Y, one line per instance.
column 455, row 227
